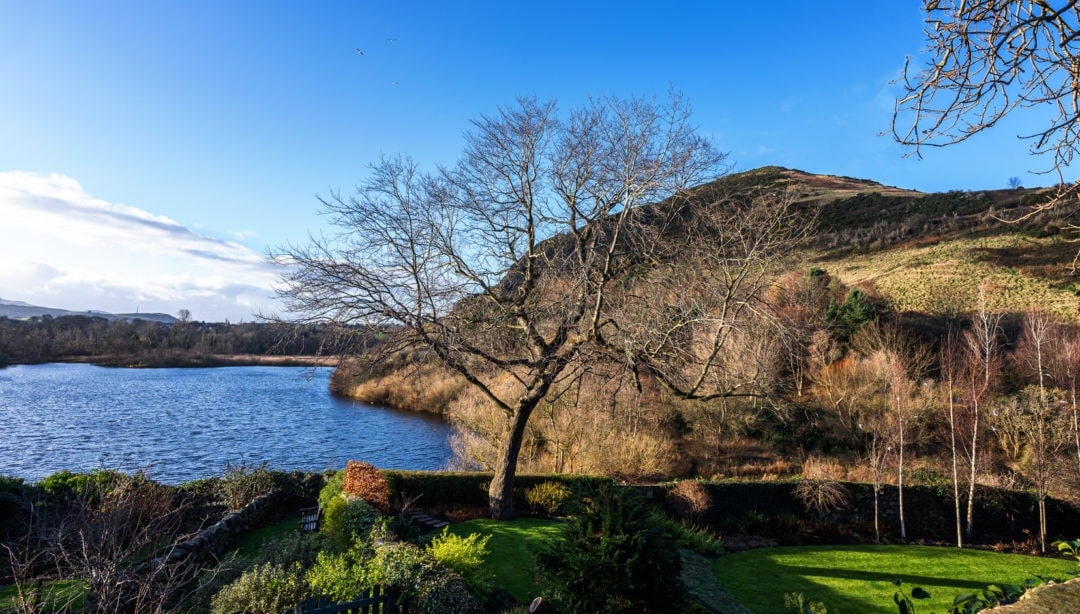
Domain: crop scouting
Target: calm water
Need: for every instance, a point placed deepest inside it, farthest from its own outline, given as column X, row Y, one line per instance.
column 188, row 423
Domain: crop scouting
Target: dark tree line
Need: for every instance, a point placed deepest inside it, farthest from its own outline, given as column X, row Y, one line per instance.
column 44, row 339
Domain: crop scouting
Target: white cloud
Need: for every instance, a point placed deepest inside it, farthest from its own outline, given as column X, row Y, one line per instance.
column 61, row 247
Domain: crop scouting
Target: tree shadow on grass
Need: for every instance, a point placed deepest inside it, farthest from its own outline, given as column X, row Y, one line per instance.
column 761, row 580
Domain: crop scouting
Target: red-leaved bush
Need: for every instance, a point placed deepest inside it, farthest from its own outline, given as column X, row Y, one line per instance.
column 364, row 480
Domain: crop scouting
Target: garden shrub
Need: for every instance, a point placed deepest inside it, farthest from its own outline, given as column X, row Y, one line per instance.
column 693, row 537
column 422, row 584
column 439, row 488
column 463, row 555
column 69, row 486
column 548, row 498
column 347, row 520
column 463, row 488
column 688, row 500
column 365, row 481
column 614, row 556
column 263, row 589
column 340, row 576
column 16, row 497
column 332, row 488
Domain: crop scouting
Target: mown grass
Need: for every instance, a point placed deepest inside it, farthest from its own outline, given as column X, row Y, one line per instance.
column 512, row 547
column 248, row 546
column 59, row 595
column 860, row 578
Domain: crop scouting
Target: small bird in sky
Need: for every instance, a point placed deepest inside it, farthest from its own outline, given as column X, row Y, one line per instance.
column 391, row 40
column 360, row 51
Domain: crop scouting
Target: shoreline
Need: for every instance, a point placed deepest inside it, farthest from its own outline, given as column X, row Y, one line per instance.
column 201, row 361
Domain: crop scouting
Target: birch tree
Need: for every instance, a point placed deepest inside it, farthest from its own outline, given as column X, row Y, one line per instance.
column 982, row 358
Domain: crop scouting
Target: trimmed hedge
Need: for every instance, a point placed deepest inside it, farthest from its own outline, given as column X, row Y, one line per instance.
column 466, row 488
column 771, row 509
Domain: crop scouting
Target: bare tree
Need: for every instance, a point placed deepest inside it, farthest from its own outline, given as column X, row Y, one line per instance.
column 1045, row 432
column 506, row 267
column 982, row 357
column 987, row 58
column 1064, row 365
column 951, row 365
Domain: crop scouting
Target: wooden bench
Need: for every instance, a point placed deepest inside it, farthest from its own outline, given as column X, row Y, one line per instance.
column 309, row 519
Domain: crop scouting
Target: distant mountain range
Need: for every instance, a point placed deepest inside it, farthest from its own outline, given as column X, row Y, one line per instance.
column 18, row 310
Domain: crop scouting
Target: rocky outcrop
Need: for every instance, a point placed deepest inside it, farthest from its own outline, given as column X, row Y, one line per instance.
column 1045, row 599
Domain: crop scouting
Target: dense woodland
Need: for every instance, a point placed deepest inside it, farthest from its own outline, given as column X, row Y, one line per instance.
column 126, row 342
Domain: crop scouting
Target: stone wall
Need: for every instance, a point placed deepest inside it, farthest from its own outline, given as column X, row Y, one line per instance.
column 216, row 538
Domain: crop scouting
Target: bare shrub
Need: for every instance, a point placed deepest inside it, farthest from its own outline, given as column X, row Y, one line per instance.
column 243, row 483
column 689, row 500
column 821, row 496
column 120, row 542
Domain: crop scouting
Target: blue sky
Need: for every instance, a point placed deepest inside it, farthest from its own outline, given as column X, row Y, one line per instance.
column 152, row 152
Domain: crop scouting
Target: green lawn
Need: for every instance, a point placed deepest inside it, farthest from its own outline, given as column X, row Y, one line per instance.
column 249, row 544
column 860, row 578
column 66, row 595
column 512, row 545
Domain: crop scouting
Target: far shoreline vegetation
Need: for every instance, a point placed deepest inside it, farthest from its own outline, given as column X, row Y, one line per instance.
column 137, row 343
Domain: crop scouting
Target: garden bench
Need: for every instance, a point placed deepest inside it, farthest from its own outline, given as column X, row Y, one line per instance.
column 309, row 519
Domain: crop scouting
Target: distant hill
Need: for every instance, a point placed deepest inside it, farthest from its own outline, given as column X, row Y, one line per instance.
column 19, row 310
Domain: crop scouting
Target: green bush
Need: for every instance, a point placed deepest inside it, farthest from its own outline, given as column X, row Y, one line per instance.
column 341, row 576
column 422, row 584
column 548, row 498
column 331, row 489
column 263, row 589
column 69, row 485
column 347, row 520
column 16, row 505
column 463, row 555
column 439, row 488
column 614, row 556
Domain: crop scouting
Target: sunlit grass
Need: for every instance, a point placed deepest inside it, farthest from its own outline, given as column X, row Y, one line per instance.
column 512, row 547
column 58, row 595
column 1018, row 271
column 860, row 578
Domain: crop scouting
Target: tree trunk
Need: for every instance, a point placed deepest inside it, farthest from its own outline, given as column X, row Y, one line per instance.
column 501, row 491
column 877, row 527
column 1042, row 522
column 955, row 473
column 900, row 482
column 971, row 479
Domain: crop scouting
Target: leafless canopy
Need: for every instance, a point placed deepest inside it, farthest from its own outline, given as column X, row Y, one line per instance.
column 988, row 58
column 515, row 263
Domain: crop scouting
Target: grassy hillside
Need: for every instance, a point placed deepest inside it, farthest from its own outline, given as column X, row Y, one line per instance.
column 929, row 253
